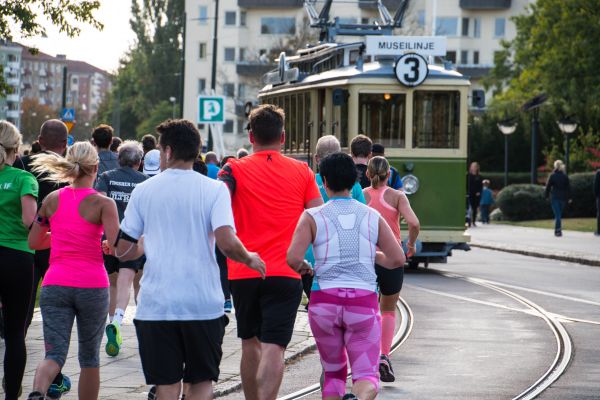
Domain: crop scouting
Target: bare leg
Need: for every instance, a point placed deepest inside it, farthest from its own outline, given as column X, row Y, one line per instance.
column 112, row 278
column 251, row 352
column 364, row 390
column 136, row 284
column 89, row 383
column 124, row 282
column 44, row 375
column 168, row 392
column 200, row 391
column 270, row 371
column 388, row 303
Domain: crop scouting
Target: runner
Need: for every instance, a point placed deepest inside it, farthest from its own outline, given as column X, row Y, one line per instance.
column 360, row 149
column 152, row 163
column 148, row 144
column 102, row 136
column 18, row 193
column 76, row 284
column 212, row 163
column 266, row 309
column 176, row 218
column 391, row 204
column 53, row 140
column 343, row 314
column 395, row 182
column 118, row 185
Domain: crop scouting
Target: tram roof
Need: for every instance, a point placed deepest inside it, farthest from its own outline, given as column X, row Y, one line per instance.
column 369, row 70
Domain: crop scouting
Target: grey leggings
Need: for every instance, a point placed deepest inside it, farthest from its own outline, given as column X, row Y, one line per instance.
column 60, row 305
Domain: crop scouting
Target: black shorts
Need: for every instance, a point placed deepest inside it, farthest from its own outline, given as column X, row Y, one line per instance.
column 174, row 350
column 112, row 264
column 389, row 280
column 266, row 309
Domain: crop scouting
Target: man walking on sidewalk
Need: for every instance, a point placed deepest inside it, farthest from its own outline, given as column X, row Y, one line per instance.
column 269, row 193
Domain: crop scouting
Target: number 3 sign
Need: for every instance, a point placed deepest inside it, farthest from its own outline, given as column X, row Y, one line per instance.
column 411, row 69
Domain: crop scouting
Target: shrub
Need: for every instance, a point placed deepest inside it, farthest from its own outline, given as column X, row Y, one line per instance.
column 523, row 202
column 497, row 178
column 584, row 203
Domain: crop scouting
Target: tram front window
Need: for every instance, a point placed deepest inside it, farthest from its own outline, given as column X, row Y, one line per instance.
column 382, row 118
column 436, row 120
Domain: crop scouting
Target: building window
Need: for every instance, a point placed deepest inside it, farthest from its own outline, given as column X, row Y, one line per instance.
column 464, row 57
column 242, row 18
column 228, row 127
column 446, row 26
column 476, row 27
column 500, row 27
column 202, row 15
column 364, row 21
column 476, row 57
column 465, row 27
column 201, row 85
column 229, row 53
column 278, row 26
column 242, row 56
column 242, row 91
column 202, row 51
column 228, row 89
column 230, row 18
column 421, row 18
column 451, row 56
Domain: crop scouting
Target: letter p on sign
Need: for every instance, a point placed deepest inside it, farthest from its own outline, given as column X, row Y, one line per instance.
column 211, row 109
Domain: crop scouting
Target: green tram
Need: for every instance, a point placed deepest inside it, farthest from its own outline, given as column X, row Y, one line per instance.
column 336, row 89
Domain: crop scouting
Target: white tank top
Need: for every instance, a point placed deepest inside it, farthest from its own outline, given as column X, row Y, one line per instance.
column 345, row 244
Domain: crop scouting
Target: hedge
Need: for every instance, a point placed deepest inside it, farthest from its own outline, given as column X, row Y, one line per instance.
column 582, row 194
column 497, row 178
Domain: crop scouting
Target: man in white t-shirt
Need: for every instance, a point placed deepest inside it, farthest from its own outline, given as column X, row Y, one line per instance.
column 175, row 219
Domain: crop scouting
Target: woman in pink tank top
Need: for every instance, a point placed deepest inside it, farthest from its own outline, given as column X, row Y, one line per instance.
column 391, row 204
column 76, row 284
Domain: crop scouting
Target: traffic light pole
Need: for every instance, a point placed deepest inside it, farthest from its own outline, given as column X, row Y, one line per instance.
column 213, row 79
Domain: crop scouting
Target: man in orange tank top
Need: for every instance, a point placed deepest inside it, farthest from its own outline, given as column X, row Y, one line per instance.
column 269, row 192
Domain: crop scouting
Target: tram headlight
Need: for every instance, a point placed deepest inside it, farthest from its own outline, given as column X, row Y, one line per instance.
column 410, row 184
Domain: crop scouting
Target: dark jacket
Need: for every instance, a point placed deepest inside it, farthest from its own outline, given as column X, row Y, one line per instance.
column 474, row 186
column 558, row 185
column 597, row 185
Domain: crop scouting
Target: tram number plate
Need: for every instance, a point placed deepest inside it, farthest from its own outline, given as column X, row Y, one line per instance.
column 411, row 69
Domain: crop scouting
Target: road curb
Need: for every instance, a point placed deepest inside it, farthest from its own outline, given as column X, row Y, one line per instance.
column 534, row 253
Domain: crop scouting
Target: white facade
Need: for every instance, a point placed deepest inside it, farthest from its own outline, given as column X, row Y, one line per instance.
column 249, row 29
column 10, row 66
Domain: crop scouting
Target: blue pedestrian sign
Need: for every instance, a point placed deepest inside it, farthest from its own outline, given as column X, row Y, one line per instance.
column 68, row 115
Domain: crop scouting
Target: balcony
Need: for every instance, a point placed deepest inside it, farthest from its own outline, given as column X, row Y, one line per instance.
column 270, row 3
column 14, row 98
column 485, row 4
column 13, row 114
column 392, row 5
column 251, row 69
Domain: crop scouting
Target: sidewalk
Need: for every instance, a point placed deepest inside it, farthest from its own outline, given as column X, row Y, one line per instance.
column 122, row 378
column 578, row 247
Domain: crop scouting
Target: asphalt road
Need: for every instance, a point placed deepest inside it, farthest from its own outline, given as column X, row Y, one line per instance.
column 470, row 342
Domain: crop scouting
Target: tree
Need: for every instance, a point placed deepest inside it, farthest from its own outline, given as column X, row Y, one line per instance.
column 33, row 116
column 25, row 16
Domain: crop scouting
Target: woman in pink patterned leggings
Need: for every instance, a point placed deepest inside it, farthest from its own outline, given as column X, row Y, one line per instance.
column 344, row 313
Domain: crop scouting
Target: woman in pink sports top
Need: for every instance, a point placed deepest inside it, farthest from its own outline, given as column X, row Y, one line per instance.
column 391, row 204
column 76, row 284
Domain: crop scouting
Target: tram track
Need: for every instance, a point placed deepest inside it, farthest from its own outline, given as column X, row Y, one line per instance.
column 404, row 331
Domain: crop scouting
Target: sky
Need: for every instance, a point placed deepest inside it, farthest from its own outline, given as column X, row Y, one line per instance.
column 102, row 49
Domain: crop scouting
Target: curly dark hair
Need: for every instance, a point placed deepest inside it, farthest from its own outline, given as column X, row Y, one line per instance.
column 266, row 123
column 182, row 137
column 338, row 171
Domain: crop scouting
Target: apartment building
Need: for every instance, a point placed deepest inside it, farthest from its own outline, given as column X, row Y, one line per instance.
column 10, row 65
column 42, row 77
column 86, row 87
column 250, row 30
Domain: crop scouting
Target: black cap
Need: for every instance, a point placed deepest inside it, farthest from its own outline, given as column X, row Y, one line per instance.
column 378, row 148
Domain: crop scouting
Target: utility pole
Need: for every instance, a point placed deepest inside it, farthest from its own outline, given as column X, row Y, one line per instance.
column 64, row 89
column 182, row 72
column 213, row 79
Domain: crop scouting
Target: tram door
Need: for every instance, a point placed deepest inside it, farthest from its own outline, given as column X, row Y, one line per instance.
column 321, row 113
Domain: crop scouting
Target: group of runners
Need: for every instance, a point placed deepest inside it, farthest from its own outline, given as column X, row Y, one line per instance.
column 277, row 229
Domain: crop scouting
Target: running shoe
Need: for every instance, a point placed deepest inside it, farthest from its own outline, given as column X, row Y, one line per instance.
column 152, row 393
column 36, row 396
column 386, row 372
column 228, row 306
column 60, row 386
column 113, row 345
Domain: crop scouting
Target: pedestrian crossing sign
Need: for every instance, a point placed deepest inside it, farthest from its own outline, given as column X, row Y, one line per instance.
column 68, row 115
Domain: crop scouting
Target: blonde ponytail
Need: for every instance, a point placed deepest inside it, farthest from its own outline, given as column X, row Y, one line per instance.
column 377, row 170
column 81, row 160
column 10, row 140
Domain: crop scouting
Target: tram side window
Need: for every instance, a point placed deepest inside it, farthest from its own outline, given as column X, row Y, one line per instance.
column 436, row 120
column 382, row 118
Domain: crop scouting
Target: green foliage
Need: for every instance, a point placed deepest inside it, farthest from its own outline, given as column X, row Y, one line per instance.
column 150, row 73
column 583, row 201
column 583, row 152
column 26, row 15
column 497, row 178
column 162, row 111
column 523, row 202
column 555, row 52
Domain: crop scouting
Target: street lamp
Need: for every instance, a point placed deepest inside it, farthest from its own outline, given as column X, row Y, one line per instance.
column 567, row 125
column 174, row 101
column 507, row 127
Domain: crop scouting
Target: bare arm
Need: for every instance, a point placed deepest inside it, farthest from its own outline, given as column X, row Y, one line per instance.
column 316, row 202
column 39, row 237
column 303, row 237
column 232, row 248
column 110, row 219
column 367, row 197
column 411, row 219
column 28, row 209
column 390, row 255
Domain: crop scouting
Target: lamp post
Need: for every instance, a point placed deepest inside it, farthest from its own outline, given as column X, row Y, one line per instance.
column 174, row 101
column 507, row 127
column 533, row 105
column 567, row 126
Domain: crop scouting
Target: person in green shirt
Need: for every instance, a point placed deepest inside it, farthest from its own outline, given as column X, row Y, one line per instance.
column 18, row 206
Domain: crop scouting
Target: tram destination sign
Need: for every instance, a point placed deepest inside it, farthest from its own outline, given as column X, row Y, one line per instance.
column 398, row 45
